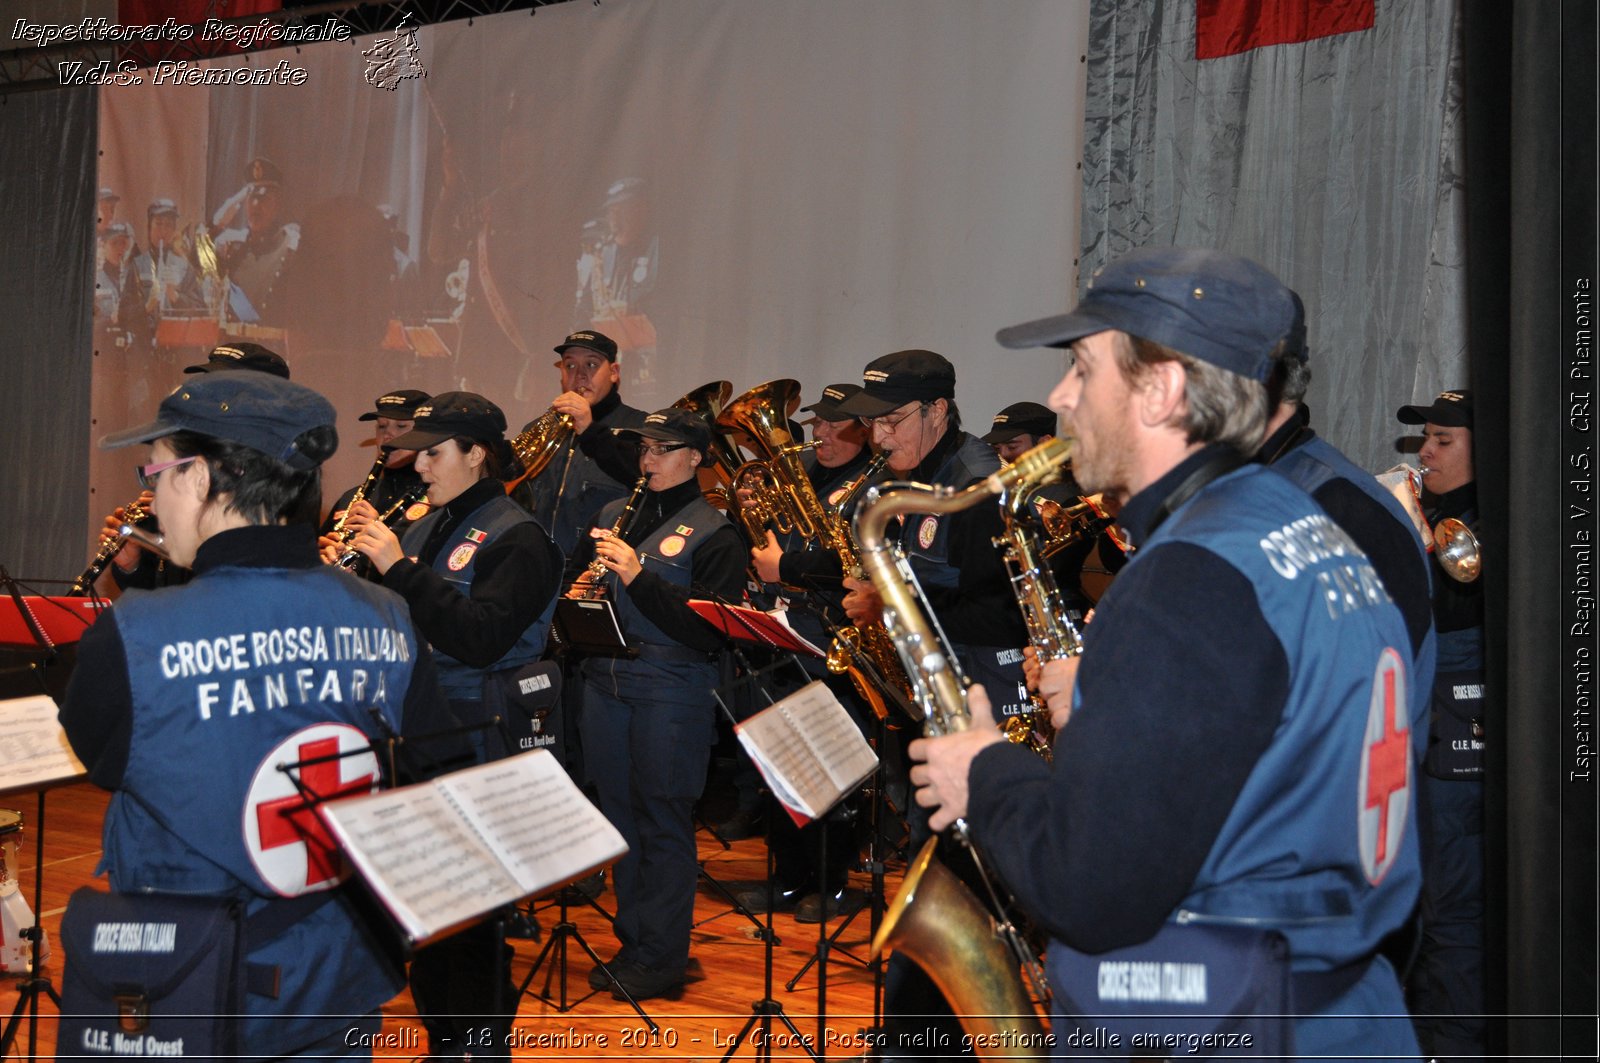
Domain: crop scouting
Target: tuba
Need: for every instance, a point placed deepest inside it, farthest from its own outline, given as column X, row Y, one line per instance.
column 939, row 690
column 540, row 442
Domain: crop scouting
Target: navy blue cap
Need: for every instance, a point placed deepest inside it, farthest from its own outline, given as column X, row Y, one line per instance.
column 1218, row 307
column 896, row 379
column 1022, row 419
column 451, row 414
column 259, row 410
column 590, row 340
column 672, row 425
column 231, row 356
column 396, row 405
column 827, row 407
column 1452, row 409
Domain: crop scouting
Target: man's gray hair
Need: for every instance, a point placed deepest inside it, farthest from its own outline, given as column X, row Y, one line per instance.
column 1221, row 406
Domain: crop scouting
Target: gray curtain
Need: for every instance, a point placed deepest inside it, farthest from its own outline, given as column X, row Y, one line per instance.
column 1332, row 163
column 47, row 211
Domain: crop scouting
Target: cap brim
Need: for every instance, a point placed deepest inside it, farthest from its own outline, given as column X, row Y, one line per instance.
column 1003, row 435
column 827, row 411
column 1058, row 331
column 657, row 434
column 419, row 440
column 863, row 404
column 1439, row 413
column 143, row 434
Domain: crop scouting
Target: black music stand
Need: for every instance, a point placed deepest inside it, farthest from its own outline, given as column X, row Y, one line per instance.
column 556, row 944
column 37, row 982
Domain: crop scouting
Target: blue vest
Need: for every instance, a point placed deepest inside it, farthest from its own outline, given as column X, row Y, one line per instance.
column 457, row 562
column 669, row 553
column 925, row 539
column 1319, row 843
column 239, row 671
column 1315, row 463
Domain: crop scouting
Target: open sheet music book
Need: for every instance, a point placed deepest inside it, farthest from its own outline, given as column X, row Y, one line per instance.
column 33, row 747
column 440, row 854
column 809, row 751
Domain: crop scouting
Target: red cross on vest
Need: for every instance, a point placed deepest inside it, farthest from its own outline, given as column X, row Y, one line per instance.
column 1385, row 788
column 291, row 821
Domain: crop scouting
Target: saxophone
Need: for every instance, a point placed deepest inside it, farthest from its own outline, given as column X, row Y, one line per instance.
column 593, row 588
column 972, row 958
column 132, row 514
column 1050, row 632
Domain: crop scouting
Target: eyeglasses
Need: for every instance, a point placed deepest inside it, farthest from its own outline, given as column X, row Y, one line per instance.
column 149, row 474
column 656, row 450
column 887, row 425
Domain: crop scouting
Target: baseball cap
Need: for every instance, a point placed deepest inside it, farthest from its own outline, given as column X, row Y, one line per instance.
column 896, row 379
column 451, row 414
column 1022, row 419
column 261, row 411
column 1218, row 307
column 1453, row 409
column 589, row 340
column 827, row 407
column 396, row 405
column 672, row 425
column 231, row 356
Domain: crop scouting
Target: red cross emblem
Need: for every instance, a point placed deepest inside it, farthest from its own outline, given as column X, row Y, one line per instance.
column 289, row 844
column 1385, row 769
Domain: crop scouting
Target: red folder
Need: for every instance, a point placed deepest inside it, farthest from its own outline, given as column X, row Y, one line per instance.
column 63, row 620
column 752, row 625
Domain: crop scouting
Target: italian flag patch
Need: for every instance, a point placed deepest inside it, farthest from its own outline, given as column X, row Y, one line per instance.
column 477, row 536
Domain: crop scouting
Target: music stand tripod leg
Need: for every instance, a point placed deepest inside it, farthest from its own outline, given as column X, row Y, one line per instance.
column 29, row 989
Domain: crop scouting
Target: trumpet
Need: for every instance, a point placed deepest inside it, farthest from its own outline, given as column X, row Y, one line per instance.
column 391, row 517
column 590, row 586
column 132, row 514
column 1451, row 541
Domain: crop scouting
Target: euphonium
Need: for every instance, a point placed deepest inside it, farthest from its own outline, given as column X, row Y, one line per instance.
column 132, row 514
column 706, row 402
column 594, row 587
column 939, row 689
column 1051, row 633
column 783, row 495
column 539, row 443
column 390, row 516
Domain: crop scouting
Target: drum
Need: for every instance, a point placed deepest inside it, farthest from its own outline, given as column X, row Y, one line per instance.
column 15, row 915
column 10, row 846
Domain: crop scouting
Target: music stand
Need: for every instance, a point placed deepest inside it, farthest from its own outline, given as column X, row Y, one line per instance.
column 557, row 943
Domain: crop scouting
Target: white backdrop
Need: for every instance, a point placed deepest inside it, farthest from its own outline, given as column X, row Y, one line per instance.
column 825, row 182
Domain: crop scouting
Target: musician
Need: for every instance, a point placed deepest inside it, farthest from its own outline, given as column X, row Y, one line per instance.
column 165, row 276
column 1355, row 500
column 135, row 567
column 648, row 722
column 1232, row 758
column 833, row 466
column 1019, row 428
column 231, row 454
column 594, row 468
column 1447, row 985
column 393, row 475
column 907, row 403
column 481, row 578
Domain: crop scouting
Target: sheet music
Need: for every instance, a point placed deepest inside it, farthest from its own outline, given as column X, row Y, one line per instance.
column 808, row 749
column 537, row 821
column 33, row 747
column 441, row 853
column 427, row 865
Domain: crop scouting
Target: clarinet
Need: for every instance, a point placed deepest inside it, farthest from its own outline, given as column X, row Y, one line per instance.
column 132, row 514
column 360, row 495
column 391, row 517
column 595, row 589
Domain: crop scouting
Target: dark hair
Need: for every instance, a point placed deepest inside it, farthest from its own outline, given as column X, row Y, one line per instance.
column 261, row 489
column 1221, row 406
column 1291, row 379
column 496, row 453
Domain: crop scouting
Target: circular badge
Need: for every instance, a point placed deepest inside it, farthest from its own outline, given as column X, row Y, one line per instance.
column 416, row 511
column 460, row 556
column 288, row 845
column 926, row 531
column 1383, row 793
column 672, row 545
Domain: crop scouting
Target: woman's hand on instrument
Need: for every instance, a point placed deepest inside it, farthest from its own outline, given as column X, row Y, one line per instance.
column 618, row 557
column 129, row 556
column 576, row 407
column 861, row 603
column 941, row 775
column 378, row 543
column 766, row 558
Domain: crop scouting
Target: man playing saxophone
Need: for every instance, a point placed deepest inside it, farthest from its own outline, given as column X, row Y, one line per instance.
column 1231, row 797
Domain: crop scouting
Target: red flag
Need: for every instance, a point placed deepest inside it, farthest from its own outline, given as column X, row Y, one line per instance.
column 1228, row 27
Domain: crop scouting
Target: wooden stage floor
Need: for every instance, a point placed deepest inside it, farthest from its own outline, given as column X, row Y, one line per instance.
column 725, row 978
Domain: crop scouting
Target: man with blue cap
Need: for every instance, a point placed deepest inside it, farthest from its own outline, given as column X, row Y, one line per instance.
column 1224, row 836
